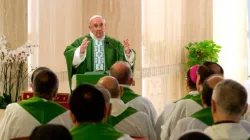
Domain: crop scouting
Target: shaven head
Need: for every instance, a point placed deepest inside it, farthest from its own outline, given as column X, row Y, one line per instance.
column 122, row 72
column 229, row 100
column 208, row 88
column 111, row 84
column 105, row 94
column 45, row 84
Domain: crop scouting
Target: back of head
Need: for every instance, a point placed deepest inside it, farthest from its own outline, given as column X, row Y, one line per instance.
column 122, row 72
column 215, row 67
column 208, row 87
column 111, row 84
column 45, row 83
column 105, row 94
column 203, row 74
column 50, row 132
column 194, row 135
column 230, row 98
column 37, row 70
column 87, row 104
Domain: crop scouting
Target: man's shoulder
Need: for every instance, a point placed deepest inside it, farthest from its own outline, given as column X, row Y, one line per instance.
column 108, row 38
column 13, row 107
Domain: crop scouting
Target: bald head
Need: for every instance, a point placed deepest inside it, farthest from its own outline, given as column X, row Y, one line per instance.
column 208, row 88
column 230, row 98
column 122, row 72
column 105, row 94
column 111, row 84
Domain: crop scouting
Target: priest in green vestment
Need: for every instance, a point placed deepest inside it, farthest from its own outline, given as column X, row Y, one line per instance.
column 89, row 110
column 96, row 51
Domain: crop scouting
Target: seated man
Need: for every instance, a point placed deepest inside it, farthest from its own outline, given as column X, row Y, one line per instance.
column 124, row 118
column 89, row 110
column 229, row 103
column 203, row 118
column 122, row 72
column 21, row 118
column 192, row 92
column 186, row 106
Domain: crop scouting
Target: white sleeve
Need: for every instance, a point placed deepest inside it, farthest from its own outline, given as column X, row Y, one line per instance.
column 78, row 57
column 150, row 129
column 7, row 123
column 130, row 57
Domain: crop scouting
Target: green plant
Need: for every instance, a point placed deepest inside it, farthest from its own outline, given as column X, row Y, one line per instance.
column 199, row 52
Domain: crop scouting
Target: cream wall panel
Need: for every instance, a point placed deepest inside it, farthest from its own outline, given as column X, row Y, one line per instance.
column 167, row 27
column 60, row 23
column 13, row 22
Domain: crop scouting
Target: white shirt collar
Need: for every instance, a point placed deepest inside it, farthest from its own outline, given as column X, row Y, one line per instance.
column 118, row 107
column 194, row 93
column 96, row 39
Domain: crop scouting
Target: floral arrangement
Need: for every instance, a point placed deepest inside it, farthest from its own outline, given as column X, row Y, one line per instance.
column 13, row 71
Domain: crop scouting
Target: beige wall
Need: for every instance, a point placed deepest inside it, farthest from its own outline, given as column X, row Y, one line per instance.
column 169, row 26
column 13, row 22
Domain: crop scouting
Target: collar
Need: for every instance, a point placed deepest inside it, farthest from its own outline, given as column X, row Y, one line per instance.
column 222, row 122
column 118, row 107
column 193, row 93
column 96, row 39
column 122, row 85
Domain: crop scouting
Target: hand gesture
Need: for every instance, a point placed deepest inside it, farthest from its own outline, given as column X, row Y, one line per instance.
column 84, row 45
column 126, row 46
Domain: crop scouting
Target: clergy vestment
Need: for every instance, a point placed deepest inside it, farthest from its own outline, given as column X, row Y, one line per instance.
column 184, row 107
column 130, row 121
column 21, row 118
column 227, row 131
column 168, row 109
column 100, row 55
column 139, row 103
column 97, row 131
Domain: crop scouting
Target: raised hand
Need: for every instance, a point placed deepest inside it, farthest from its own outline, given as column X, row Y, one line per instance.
column 126, row 46
column 84, row 45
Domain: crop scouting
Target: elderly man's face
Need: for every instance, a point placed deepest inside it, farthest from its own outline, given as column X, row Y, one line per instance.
column 97, row 27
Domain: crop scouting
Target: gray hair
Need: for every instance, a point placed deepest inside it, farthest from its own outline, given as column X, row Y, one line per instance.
column 230, row 98
column 105, row 94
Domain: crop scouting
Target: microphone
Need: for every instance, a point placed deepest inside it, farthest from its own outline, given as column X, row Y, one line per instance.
column 107, row 42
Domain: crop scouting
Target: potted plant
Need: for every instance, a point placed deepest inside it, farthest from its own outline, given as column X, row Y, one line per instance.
column 199, row 52
column 13, row 71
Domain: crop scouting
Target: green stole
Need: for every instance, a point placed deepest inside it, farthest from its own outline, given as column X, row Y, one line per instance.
column 111, row 55
column 95, row 131
column 112, row 120
column 204, row 115
column 128, row 95
column 42, row 111
column 196, row 98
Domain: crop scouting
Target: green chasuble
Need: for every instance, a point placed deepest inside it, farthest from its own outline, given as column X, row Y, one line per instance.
column 196, row 98
column 111, row 55
column 128, row 95
column 205, row 116
column 42, row 111
column 95, row 131
column 112, row 120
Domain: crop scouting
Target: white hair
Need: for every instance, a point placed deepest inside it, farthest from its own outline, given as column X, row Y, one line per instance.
column 97, row 16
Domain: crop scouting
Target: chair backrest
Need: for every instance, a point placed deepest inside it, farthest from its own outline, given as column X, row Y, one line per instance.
column 21, row 138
